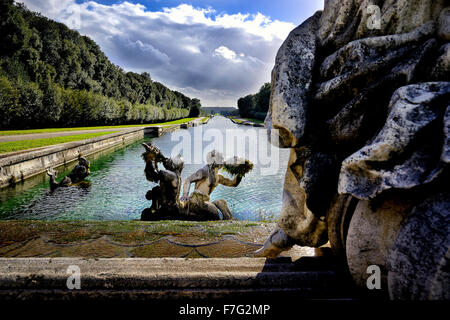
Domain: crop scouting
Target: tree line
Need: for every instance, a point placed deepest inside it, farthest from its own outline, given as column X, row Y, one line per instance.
column 255, row 105
column 50, row 75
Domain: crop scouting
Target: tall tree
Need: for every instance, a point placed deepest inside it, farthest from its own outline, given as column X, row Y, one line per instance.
column 255, row 105
column 67, row 80
column 195, row 108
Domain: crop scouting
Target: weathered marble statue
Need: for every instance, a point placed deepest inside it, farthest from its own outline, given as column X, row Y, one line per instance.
column 206, row 180
column 76, row 177
column 165, row 202
column 360, row 93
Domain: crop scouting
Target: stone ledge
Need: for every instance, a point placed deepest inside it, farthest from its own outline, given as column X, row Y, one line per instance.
column 136, row 239
column 169, row 278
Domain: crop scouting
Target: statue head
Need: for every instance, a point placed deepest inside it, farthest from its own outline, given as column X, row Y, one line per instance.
column 51, row 173
column 215, row 158
column 178, row 163
column 175, row 164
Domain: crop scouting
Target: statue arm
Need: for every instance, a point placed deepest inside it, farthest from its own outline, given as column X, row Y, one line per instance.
column 151, row 172
column 165, row 161
column 199, row 175
column 228, row 182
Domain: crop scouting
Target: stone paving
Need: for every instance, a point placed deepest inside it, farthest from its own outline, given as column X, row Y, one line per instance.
column 136, row 239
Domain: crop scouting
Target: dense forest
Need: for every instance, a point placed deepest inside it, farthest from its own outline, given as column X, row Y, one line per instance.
column 51, row 76
column 255, row 105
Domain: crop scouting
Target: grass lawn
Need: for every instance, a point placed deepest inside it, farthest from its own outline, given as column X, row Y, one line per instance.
column 30, row 144
column 254, row 120
column 235, row 119
column 238, row 120
column 17, row 132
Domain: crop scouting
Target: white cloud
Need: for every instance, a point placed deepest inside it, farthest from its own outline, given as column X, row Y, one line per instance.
column 224, row 52
column 193, row 50
column 50, row 7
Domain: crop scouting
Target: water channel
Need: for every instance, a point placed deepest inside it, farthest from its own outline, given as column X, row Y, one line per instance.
column 118, row 184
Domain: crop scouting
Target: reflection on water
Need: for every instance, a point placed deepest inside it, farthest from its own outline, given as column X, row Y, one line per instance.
column 118, row 187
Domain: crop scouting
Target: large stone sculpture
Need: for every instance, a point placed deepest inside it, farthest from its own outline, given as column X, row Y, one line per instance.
column 76, row 177
column 360, row 93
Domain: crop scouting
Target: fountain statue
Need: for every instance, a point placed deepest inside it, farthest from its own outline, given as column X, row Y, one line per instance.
column 206, row 180
column 76, row 177
column 165, row 202
column 164, row 197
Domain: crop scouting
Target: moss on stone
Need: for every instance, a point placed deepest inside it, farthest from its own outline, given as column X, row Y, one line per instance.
column 127, row 232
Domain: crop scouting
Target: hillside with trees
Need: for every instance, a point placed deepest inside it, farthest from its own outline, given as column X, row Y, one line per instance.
column 52, row 76
column 255, row 105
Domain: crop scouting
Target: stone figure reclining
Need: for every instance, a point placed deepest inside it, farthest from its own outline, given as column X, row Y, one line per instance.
column 76, row 177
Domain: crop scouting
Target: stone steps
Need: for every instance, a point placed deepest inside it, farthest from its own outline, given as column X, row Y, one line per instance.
column 172, row 278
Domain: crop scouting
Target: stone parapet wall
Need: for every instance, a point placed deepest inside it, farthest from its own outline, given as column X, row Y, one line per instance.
column 18, row 167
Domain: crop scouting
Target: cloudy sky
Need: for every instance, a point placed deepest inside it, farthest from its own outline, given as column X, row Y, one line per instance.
column 214, row 50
